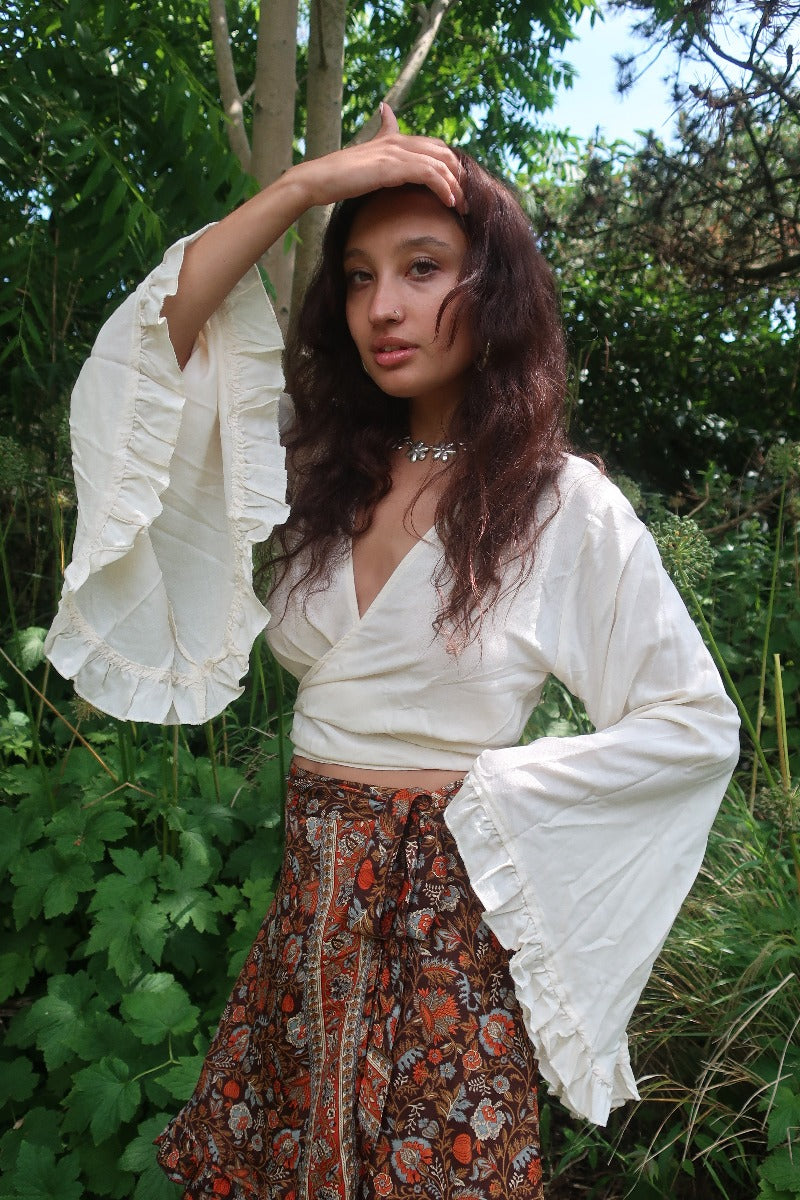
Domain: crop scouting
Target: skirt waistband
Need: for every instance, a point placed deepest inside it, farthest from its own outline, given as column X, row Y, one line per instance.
column 347, row 797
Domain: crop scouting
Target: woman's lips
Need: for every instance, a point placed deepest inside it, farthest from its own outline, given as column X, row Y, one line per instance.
column 392, row 353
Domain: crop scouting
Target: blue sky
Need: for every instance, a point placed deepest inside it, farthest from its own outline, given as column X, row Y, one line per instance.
column 593, row 101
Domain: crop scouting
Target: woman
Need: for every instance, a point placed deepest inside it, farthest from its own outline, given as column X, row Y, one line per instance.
column 453, row 907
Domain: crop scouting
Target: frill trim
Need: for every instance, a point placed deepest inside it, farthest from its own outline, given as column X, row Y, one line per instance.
column 249, row 339
column 566, row 1059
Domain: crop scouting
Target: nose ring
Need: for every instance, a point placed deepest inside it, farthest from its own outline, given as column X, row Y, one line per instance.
column 396, row 314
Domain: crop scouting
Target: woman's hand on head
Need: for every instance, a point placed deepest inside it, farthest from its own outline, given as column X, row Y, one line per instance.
column 389, row 159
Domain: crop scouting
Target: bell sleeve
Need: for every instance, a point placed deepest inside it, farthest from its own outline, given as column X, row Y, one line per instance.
column 582, row 849
column 177, row 474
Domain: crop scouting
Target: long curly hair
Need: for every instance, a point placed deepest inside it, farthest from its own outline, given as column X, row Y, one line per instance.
column 510, row 417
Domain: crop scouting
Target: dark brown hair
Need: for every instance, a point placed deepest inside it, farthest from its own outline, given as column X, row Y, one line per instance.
column 511, row 415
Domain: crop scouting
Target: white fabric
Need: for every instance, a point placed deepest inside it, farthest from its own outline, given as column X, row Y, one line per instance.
column 582, row 849
column 177, row 474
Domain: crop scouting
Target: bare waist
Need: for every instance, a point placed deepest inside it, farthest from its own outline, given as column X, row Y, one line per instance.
column 427, row 779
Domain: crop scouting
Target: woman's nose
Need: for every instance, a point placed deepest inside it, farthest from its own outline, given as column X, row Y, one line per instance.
column 384, row 307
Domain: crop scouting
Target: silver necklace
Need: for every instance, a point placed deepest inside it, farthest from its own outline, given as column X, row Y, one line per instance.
column 419, row 451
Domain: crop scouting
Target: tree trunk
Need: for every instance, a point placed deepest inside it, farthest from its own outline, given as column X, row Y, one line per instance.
column 324, row 124
column 273, row 126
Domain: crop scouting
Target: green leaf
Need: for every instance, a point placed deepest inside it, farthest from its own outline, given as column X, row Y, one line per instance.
column 257, row 857
column 17, row 1080
column 36, row 1127
column 101, row 1174
column 96, row 177
column 231, row 782
column 157, row 1008
column 53, row 947
column 140, row 1157
column 16, row 970
column 767, row 1192
column 39, row 1176
column 784, row 1118
column 46, row 880
column 181, row 1080
column 135, row 867
column 27, row 647
column 230, row 898
column 50, row 880
column 61, row 894
column 87, row 830
column 133, row 938
column 128, row 923
column 81, row 770
column 782, row 1170
column 103, row 1097
column 103, row 1034
column 140, row 1153
column 56, row 1020
column 17, row 830
column 185, row 896
column 32, row 878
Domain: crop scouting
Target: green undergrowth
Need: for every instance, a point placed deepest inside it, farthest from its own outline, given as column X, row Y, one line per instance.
column 136, row 865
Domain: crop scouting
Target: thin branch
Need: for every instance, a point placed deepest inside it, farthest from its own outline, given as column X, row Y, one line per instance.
column 770, row 270
column 411, row 68
column 752, row 510
column 231, row 97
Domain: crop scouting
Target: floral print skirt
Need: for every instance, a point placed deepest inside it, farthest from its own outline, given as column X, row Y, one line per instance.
column 372, row 1045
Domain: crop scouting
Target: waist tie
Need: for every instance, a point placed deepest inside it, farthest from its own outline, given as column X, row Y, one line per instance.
column 399, row 887
column 388, row 900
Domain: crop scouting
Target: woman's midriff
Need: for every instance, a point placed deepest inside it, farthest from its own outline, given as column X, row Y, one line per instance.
column 426, row 780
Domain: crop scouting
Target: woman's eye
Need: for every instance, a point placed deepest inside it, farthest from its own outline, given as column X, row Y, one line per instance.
column 356, row 277
column 423, row 266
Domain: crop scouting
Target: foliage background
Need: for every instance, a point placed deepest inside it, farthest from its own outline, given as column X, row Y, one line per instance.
column 136, row 863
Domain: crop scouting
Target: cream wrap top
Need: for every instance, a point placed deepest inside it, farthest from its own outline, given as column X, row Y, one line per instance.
column 581, row 850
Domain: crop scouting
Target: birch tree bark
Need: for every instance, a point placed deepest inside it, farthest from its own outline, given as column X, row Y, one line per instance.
column 323, row 123
column 273, row 127
column 273, row 91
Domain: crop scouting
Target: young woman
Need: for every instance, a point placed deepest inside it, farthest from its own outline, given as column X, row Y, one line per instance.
column 455, row 911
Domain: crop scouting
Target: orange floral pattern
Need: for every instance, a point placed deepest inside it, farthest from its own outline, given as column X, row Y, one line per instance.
column 373, row 1045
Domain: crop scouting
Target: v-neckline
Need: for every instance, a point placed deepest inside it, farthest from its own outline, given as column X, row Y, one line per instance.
column 425, row 539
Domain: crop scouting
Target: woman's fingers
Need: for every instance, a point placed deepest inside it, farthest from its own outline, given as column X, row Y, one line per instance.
column 390, row 159
column 405, row 158
column 388, row 120
column 441, row 178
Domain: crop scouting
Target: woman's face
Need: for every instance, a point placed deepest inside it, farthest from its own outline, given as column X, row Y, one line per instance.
column 403, row 255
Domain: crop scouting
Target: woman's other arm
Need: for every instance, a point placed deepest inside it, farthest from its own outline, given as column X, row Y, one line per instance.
column 214, row 263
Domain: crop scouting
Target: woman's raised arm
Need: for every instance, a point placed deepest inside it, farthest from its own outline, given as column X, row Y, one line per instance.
column 217, row 261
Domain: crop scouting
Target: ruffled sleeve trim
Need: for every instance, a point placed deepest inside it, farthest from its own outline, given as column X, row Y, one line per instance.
column 126, row 629
column 587, row 1085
